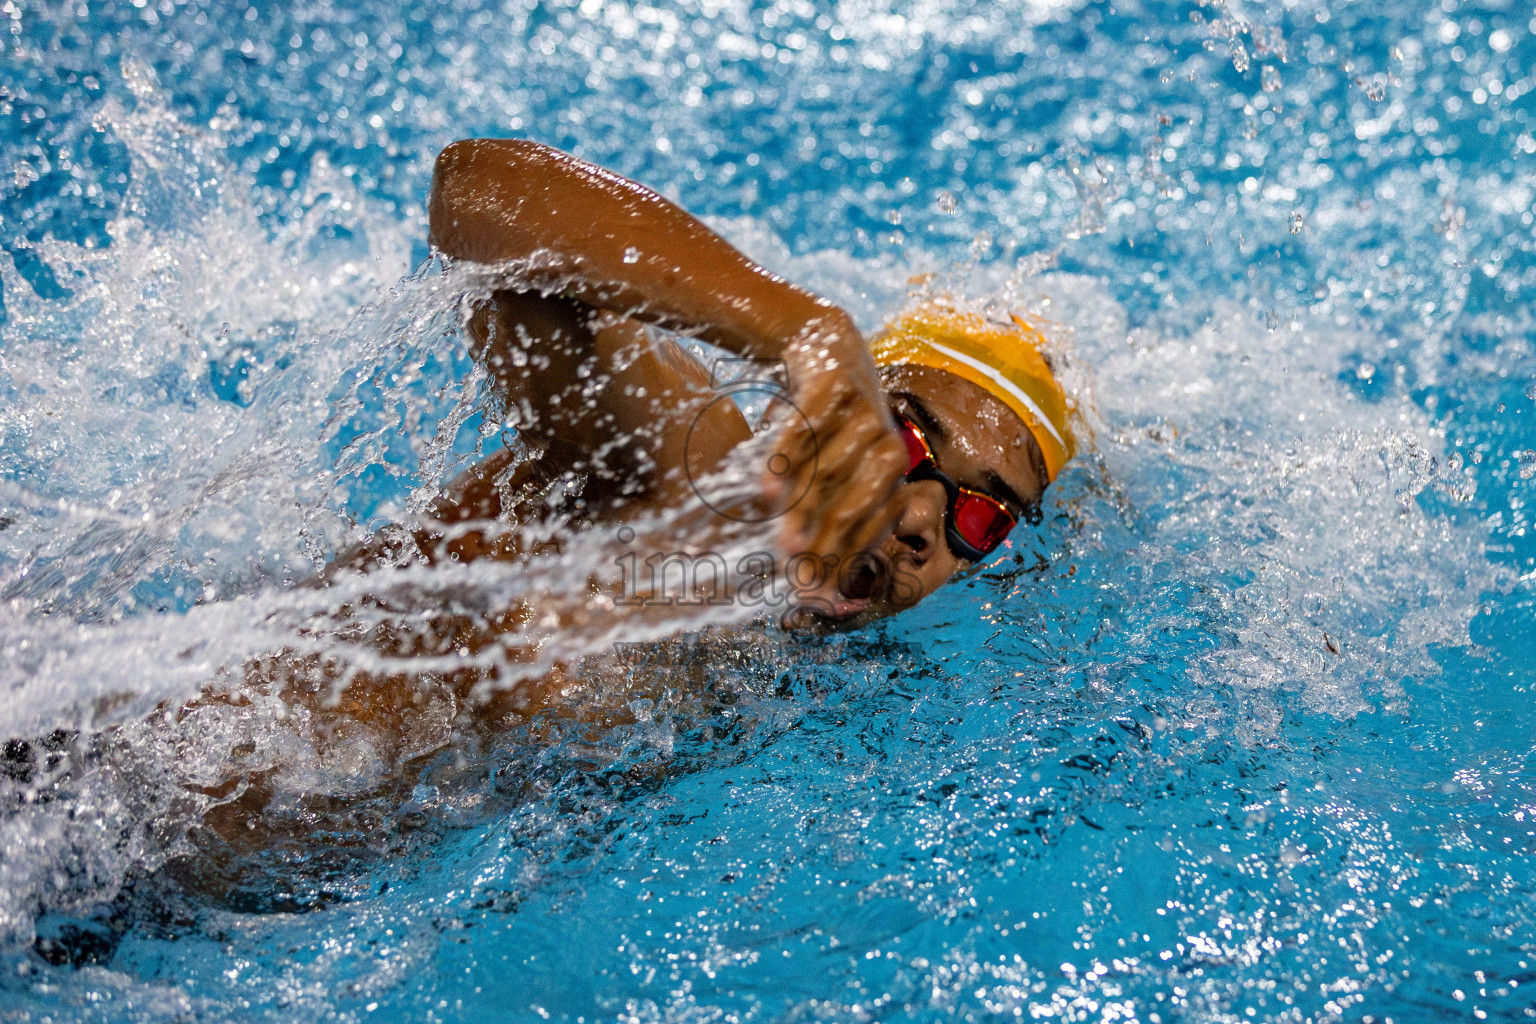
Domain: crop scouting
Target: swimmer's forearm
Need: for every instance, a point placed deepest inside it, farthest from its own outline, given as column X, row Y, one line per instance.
column 615, row 245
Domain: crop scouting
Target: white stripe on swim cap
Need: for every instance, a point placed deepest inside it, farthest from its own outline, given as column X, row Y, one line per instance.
column 1002, row 382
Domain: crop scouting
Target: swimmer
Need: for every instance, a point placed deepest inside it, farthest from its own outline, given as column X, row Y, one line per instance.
column 914, row 455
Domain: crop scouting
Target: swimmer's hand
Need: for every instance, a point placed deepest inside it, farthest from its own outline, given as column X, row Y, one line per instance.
column 845, row 457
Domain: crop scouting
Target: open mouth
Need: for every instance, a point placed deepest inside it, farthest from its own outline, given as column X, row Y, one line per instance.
column 863, row 578
column 859, row 585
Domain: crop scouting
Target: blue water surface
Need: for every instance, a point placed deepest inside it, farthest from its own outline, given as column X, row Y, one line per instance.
column 1243, row 731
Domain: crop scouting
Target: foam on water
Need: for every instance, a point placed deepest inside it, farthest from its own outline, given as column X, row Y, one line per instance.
column 1240, row 730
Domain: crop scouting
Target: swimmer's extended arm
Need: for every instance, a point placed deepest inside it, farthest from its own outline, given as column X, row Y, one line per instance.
column 603, row 243
column 616, row 245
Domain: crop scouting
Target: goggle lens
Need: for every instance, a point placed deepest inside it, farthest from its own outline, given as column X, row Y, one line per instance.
column 917, row 448
column 981, row 521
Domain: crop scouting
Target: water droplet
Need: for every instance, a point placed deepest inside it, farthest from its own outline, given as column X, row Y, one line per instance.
column 1374, row 88
column 631, row 255
column 1239, row 55
column 1296, row 222
column 1270, row 76
column 947, row 202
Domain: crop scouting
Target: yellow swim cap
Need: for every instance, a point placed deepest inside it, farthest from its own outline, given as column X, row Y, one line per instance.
column 1004, row 361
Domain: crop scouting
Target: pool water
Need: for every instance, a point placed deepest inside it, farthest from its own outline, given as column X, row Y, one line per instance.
column 1243, row 730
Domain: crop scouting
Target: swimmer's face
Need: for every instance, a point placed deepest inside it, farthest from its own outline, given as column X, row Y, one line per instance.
column 981, row 444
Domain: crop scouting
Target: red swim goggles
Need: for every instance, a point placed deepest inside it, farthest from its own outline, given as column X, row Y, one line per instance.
column 974, row 522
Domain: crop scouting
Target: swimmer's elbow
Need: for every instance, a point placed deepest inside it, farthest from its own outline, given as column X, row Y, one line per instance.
column 477, row 157
column 445, row 198
column 472, row 180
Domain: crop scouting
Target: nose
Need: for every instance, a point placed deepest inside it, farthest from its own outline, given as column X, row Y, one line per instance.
column 920, row 529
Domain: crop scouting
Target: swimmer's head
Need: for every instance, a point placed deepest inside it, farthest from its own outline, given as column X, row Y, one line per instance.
column 985, row 402
column 1003, row 359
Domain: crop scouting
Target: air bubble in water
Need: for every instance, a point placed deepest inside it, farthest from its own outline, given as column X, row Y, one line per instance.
column 1296, row 222
column 947, row 202
column 1530, row 391
column 631, row 255
column 1527, row 464
column 1270, row 77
